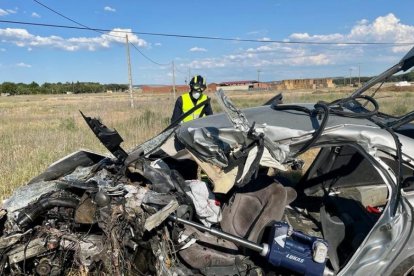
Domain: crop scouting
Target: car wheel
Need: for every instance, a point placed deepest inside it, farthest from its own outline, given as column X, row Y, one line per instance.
column 406, row 268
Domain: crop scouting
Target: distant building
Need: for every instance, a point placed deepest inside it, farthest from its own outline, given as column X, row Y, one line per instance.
column 304, row 84
column 243, row 85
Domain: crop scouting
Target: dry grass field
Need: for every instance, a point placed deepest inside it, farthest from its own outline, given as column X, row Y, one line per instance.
column 38, row 130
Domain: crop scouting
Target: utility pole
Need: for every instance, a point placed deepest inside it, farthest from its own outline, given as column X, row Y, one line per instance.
column 359, row 74
column 350, row 76
column 258, row 77
column 129, row 72
column 189, row 75
column 173, row 73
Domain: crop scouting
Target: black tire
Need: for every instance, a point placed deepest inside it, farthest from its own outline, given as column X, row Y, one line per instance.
column 406, row 268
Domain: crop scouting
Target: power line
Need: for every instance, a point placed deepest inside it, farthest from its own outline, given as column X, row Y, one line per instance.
column 62, row 15
column 207, row 37
column 95, row 30
column 148, row 58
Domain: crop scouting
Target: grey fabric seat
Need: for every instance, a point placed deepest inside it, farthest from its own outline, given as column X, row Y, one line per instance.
column 246, row 215
column 249, row 212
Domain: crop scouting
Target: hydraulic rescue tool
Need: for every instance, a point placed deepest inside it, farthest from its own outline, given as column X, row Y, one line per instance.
column 286, row 248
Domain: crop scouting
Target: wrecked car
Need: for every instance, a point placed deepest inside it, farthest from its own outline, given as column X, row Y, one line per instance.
column 200, row 198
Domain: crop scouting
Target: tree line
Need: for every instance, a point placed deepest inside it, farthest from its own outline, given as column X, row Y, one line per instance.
column 59, row 88
column 409, row 77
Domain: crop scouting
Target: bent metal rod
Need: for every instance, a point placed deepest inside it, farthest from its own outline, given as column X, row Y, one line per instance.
column 262, row 249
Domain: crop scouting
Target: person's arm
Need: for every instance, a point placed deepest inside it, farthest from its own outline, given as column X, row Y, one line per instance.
column 208, row 110
column 178, row 110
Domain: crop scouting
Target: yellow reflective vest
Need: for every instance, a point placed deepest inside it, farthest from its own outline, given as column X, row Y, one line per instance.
column 188, row 105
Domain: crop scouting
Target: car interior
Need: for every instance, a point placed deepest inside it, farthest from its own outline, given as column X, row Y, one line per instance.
column 340, row 198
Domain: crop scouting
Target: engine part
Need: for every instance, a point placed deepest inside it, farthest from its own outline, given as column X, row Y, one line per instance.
column 43, row 268
column 52, row 243
column 30, row 214
column 12, row 239
column 26, row 251
column 102, row 199
column 89, row 247
column 85, row 213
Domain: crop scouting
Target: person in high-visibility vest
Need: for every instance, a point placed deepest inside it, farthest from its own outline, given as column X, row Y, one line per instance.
column 189, row 100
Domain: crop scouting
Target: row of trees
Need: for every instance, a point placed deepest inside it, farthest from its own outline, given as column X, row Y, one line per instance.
column 59, row 88
column 95, row 87
column 397, row 78
column 404, row 77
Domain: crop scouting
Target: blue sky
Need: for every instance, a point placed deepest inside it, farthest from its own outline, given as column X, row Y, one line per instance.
column 44, row 54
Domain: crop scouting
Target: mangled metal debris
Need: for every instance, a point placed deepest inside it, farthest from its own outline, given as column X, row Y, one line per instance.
column 159, row 217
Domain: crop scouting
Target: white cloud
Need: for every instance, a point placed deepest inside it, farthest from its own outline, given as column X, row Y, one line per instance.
column 317, row 38
column 265, row 48
column 250, row 58
column 363, row 21
column 118, row 35
column 198, row 49
column 22, row 38
column 35, row 15
column 158, row 44
column 315, row 60
column 109, row 9
column 7, row 11
column 265, row 39
column 205, row 63
column 3, row 12
column 23, row 65
column 386, row 28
